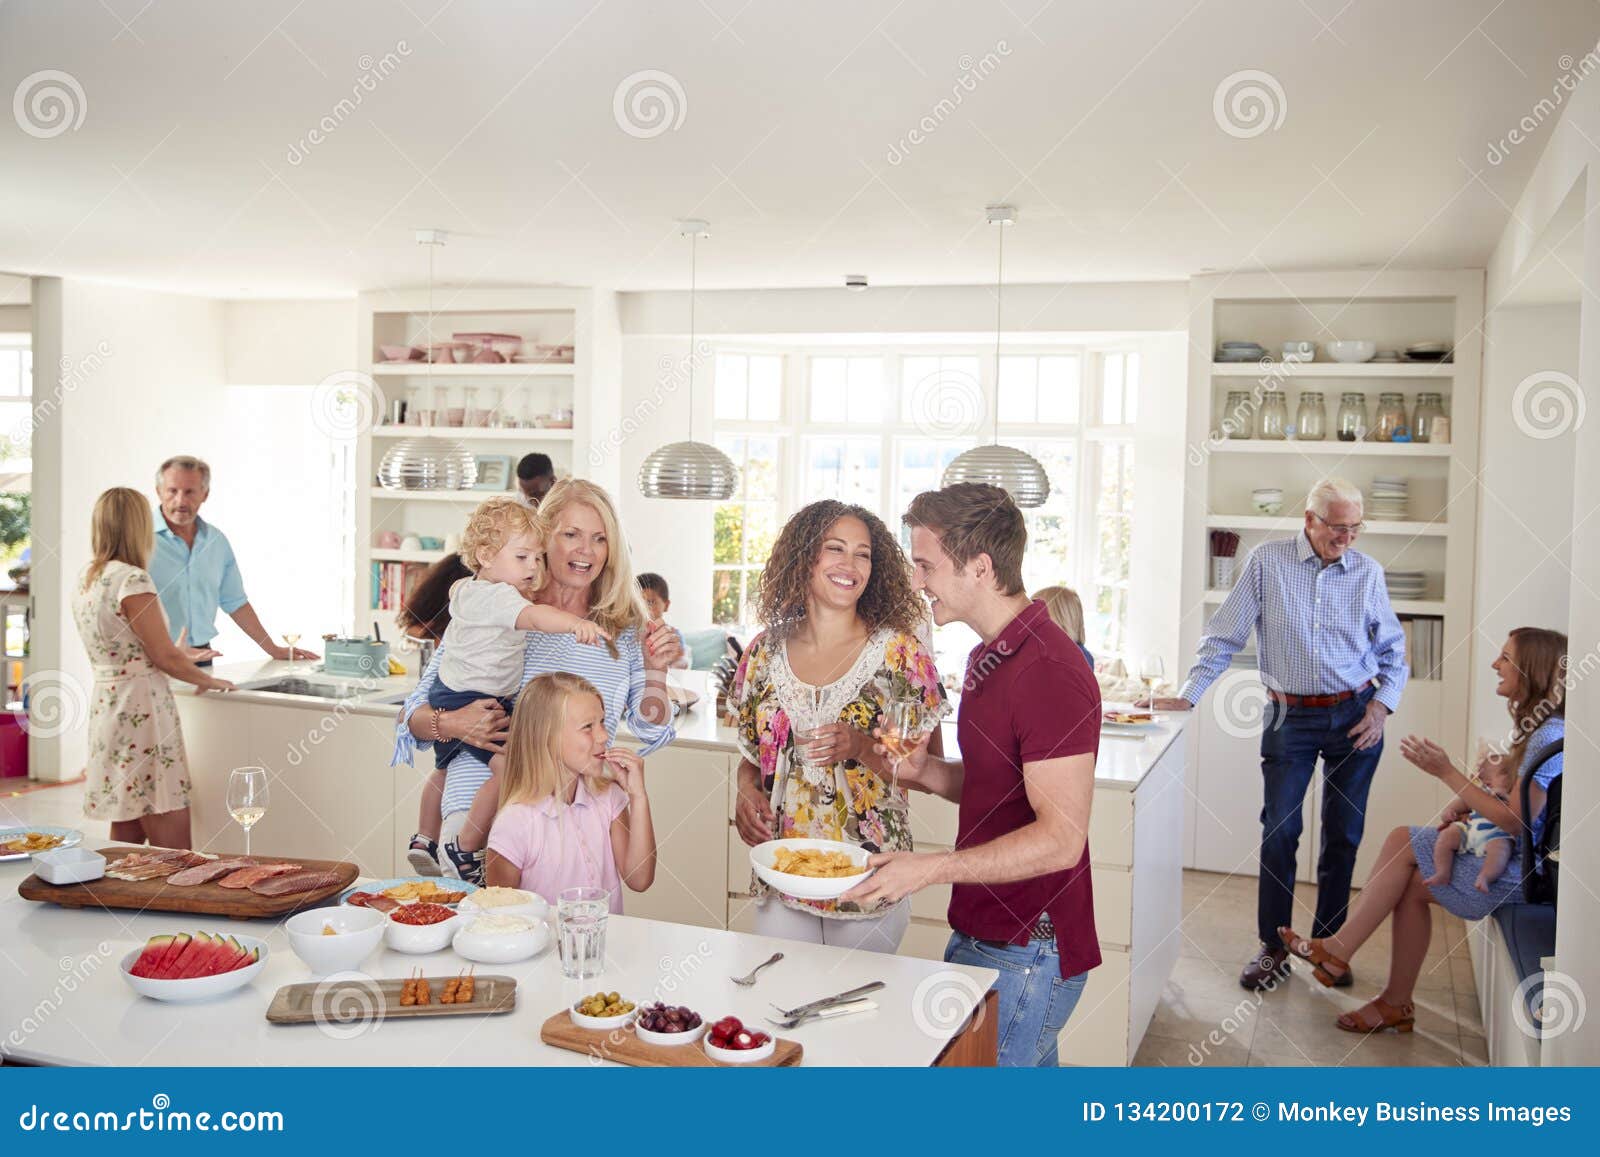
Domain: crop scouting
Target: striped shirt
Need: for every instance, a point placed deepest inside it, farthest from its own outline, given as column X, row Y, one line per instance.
column 621, row 682
column 1319, row 629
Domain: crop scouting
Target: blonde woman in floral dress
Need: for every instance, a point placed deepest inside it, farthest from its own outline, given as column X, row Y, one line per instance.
column 840, row 643
column 137, row 775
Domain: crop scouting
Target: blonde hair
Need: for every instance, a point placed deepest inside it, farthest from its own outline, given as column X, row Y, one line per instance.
column 1065, row 608
column 496, row 522
column 533, row 769
column 120, row 530
column 615, row 602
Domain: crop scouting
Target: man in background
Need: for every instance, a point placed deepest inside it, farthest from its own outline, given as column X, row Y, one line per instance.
column 535, row 475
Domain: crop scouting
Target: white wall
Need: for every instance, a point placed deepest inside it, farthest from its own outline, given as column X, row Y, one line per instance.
column 1523, row 574
column 274, row 343
column 138, row 379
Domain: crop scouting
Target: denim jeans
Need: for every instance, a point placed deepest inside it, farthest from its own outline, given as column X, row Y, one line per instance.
column 1293, row 740
column 1034, row 1001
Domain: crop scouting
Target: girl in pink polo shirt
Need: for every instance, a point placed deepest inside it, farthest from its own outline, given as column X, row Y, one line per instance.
column 573, row 811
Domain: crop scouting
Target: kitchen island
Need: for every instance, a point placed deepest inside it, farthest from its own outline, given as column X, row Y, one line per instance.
column 336, row 797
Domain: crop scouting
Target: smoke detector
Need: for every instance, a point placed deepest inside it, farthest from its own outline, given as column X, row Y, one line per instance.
column 855, row 282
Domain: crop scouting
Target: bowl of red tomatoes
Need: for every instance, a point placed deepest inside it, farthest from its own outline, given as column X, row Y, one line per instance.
column 729, row 1041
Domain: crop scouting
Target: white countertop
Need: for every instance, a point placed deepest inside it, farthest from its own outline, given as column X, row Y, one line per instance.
column 1125, row 757
column 63, row 1000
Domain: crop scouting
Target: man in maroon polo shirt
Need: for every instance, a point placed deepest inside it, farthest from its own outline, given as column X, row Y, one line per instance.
column 1028, row 731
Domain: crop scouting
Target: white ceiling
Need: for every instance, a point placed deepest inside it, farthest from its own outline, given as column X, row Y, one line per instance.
column 496, row 120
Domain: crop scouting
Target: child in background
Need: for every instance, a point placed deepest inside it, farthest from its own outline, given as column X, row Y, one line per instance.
column 1067, row 610
column 1466, row 832
column 658, row 601
column 573, row 811
column 482, row 651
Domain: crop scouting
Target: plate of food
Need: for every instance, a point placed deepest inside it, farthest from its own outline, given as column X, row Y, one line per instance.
column 810, row 869
column 387, row 895
column 20, row 843
column 1128, row 720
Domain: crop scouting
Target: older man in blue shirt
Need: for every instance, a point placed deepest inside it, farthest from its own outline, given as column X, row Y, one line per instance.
column 1333, row 658
column 193, row 565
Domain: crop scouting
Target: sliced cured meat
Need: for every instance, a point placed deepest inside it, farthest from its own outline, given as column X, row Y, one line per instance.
column 373, row 900
column 295, row 882
column 253, row 874
column 154, row 869
column 205, row 873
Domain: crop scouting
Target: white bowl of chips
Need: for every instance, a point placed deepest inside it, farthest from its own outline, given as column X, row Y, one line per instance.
column 810, row 869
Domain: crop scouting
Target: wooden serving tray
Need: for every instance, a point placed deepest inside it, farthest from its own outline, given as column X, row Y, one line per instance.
column 623, row 1047
column 298, row 1003
column 201, row 900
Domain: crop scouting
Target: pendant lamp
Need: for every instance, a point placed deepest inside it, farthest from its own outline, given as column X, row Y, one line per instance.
column 1017, row 473
column 692, row 470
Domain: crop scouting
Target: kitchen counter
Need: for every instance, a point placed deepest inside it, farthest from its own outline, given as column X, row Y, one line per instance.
column 65, row 1003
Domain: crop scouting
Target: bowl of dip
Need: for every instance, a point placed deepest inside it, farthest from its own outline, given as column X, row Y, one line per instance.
column 505, row 902
column 496, row 939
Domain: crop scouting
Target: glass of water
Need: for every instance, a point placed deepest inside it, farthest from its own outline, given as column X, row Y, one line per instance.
column 581, row 931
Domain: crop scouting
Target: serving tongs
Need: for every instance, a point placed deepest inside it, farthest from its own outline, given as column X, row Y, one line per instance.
column 833, row 1010
column 815, row 1006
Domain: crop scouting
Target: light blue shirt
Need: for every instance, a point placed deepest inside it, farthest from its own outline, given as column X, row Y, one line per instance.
column 620, row 681
column 1319, row 629
column 194, row 582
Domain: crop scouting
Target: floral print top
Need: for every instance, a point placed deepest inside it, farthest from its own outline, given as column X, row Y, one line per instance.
column 848, row 801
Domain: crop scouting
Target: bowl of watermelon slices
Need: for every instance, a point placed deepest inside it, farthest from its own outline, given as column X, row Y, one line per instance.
column 188, row 966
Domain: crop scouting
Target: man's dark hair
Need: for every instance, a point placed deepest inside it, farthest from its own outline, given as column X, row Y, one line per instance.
column 536, row 466
column 650, row 581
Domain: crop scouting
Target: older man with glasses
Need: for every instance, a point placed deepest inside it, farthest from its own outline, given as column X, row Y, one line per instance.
column 1333, row 658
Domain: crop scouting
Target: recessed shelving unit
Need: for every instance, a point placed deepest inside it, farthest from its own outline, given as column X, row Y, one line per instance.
column 1437, row 535
column 476, row 433
column 471, row 370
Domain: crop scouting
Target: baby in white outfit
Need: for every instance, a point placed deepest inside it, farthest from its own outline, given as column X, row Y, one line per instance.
column 1474, row 835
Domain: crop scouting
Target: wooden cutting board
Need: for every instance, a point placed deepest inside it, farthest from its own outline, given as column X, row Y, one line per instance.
column 346, row 1003
column 621, row 1046
column 201, row 900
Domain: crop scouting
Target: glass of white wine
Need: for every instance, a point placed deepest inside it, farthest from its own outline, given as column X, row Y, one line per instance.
column 291, row 640
column 1151, row 671
column 247, row 798
column 900, row 733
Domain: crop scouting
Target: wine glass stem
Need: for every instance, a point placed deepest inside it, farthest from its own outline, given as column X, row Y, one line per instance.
column 247, row 840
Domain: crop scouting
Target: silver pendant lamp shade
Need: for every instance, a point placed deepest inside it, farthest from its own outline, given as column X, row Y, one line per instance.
column 691, row 470
column 1014, row 471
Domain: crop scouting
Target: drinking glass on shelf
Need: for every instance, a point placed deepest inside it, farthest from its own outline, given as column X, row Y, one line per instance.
column 1152, row 670
column 247, row 798
column 291, row 640
column 581, row 931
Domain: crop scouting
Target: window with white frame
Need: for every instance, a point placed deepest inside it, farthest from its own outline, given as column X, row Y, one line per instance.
column 877, row 427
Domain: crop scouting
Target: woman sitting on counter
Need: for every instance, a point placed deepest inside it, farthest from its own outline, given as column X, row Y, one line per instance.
column 584, row 575
column 840, row 644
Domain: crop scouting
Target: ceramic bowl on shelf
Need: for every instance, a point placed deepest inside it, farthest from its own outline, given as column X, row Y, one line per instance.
column 399, row 353
column 1350, row 351
column 1299, row 351
column 1267, row 500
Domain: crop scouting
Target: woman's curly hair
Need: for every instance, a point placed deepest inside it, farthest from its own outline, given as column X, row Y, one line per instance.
column 889, row 599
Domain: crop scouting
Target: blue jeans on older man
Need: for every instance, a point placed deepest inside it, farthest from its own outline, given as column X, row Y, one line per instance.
column 1034, row 1001
column 1292, row 741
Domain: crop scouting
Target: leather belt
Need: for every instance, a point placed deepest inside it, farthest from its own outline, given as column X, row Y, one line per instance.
column 1043, row 929
column 1313, row 700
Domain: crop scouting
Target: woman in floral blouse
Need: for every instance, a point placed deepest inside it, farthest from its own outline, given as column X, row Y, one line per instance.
column 840, row 643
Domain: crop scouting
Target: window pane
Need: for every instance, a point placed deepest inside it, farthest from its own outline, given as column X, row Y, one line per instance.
column 760, row 531
column 27, row 371
column 1058, row 389
column 1111, row 390
column 917, row 377
column 1050, row 559
column 758, row 474
column 942, row 396
column 725, row 601
column 844, row 468
column 10, row 373
column 732, row 374
column 922, row 463
column 1019, row 378
column 1130, row 391
column 766, row 388
column 727, row 534
column 865, row 390
column 827, row 389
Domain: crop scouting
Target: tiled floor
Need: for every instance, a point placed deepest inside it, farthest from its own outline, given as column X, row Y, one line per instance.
column 1205, row 1018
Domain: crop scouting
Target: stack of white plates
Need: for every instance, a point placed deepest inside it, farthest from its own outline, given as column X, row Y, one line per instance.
column 1388, row 499
column 1406, row 584
column 1240, row 351
column 1428, row 351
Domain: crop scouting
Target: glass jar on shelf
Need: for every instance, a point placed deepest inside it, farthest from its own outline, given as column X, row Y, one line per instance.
column 1390, row 424
column 1237, row 421
column 1311, row 417
column 1352, row 416
column 1429, row 408
column 1273, row 416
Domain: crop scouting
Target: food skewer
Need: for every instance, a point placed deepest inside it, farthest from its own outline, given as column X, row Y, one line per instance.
column 408, row 992
column 468, row 986
column 424, row 992
column 450, row 989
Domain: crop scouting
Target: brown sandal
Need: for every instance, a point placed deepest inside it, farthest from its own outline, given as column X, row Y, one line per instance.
column 1316, row 955
column 1402, row 1019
